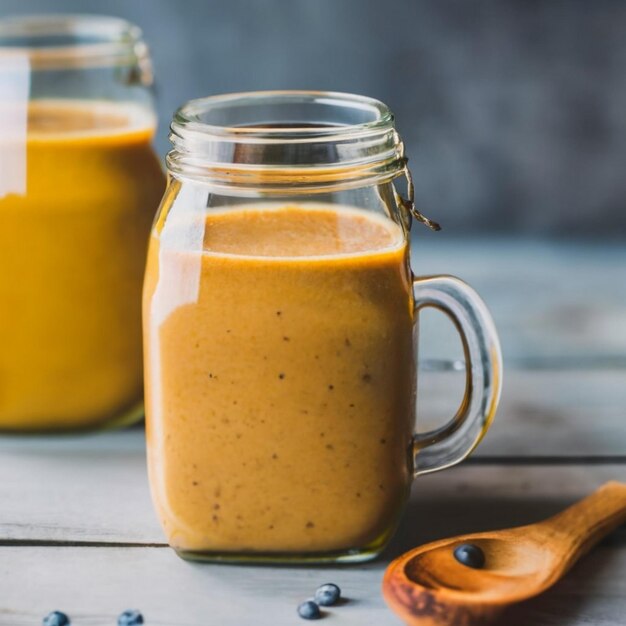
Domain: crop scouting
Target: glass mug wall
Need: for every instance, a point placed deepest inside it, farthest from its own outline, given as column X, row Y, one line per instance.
column 279, row 320
column 79, row 185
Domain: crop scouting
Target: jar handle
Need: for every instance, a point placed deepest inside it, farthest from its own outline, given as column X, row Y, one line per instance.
column 453, row 442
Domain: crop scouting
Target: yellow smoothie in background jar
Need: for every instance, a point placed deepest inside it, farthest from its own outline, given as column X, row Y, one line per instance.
column 72, row 254
column 73, row 241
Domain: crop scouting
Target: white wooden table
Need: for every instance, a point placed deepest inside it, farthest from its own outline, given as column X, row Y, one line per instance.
column 78, row 533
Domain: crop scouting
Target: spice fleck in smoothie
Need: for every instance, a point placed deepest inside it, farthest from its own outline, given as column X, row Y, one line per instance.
column 279, row 383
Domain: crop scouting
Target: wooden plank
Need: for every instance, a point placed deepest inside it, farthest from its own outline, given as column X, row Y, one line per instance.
column 94, row 584
column 552, row 301
column 472, row 498
column 83, row 488
column 542, row 413
column 95, row 489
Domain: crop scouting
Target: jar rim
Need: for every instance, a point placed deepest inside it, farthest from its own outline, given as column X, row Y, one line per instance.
column 60, row 41
column 188, row 119
column 286, row 140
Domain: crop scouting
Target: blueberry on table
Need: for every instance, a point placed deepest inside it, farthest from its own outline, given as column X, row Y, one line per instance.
column 56, row 618
column 309, row 610
column 470, row 555
column 130, row 618
column 327, row 594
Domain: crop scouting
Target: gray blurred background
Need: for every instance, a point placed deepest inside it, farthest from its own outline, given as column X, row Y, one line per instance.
column 513, row 111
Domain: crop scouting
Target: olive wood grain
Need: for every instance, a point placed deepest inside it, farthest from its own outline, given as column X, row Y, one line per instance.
column 428, row 587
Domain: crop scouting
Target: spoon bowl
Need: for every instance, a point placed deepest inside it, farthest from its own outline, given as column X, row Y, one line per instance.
column 428, row 586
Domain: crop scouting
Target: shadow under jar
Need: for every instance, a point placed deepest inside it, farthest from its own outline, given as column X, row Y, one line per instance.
column 79, row 186
column 280, row 313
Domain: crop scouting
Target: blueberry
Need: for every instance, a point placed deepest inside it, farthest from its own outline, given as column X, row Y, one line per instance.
column 56, row 618
column 309, row 610
column 130, row 618
column 327, row 594
column 470, row 555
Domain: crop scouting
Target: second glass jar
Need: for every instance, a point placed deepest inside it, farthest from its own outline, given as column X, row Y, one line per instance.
column 79, row 186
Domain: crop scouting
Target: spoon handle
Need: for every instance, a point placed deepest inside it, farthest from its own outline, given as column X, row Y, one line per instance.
column 578, row 528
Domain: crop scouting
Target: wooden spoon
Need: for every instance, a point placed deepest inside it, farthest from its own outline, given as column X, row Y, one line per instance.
column 429, row 587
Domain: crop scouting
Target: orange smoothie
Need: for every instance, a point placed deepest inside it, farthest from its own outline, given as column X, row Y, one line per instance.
column 279, row 379
column 72, row 253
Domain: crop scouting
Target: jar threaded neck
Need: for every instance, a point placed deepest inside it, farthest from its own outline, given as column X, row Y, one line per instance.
column 285, row 139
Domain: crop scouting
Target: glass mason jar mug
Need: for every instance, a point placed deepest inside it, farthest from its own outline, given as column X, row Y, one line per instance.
column 79, row 185
column 279, row 319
